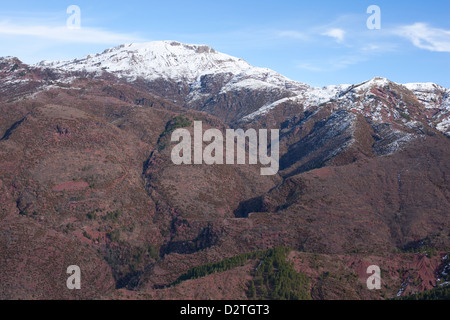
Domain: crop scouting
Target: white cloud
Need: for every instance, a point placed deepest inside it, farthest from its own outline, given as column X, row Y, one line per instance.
column 334, row 64
column 425, row 37
column 346, row 61
column 64, row 34
column 310, row 67
column 337, row 34
column 293, row 34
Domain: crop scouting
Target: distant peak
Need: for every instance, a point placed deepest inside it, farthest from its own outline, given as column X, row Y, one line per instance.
column 379, row 81
column 10, row 59
column 165, row 44
column 424, row 86
column 374, row 82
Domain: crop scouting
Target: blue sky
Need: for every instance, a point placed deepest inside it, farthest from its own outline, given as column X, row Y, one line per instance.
column 316, row 42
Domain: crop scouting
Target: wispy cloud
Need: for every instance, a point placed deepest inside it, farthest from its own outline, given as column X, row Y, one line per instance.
column 293, row 34
column 310, row 67
column 333, row 64
column 426, row 37
column 336, row 33
column 65, row 35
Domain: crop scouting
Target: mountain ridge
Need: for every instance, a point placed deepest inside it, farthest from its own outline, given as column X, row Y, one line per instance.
column 209, row 80
column 190, row 64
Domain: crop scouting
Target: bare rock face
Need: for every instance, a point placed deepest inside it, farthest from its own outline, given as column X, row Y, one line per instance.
column 86, row 178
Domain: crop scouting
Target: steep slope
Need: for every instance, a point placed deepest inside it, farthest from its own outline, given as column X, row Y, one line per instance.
column 436, row 100
column 379, row 100
column 84, row 166
column 338, row 125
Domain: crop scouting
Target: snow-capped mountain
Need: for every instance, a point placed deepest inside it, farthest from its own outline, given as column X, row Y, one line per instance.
column 160, row 59
column 173, row 61
column 430, row 94
column 435, row 98
column 188, row 74
column 379, row 100
column 203, row 79
column 199, row 77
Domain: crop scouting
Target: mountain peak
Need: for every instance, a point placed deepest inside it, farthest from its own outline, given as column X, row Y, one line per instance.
column 10, row 60
column 159, row 59
column 170, row 45
column 375, row 82
column 166, row 47
column 425, row 86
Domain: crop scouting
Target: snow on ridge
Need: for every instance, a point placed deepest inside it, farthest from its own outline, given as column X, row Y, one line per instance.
column 8, row 58
column 423, row 86
column 314, row 96
column 311, row 96
column 265, row 109
column 317, row 96
column 262, row 79
column 374, row 82
column 444, row 126
column 160, row 59
column 430, row 94
column 175, row 61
